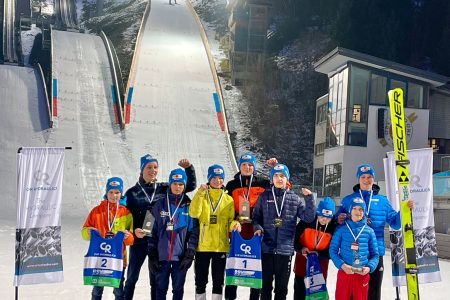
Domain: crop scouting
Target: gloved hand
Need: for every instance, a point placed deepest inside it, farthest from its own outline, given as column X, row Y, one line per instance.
column 154, row 262
column 187, row 260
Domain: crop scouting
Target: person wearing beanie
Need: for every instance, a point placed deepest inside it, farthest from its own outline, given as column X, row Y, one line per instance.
column 246, row 186
column 108, row 218
column 313, row 237
column 174, row 237
column 140, row 200
column 354, row 252
column 379, row 212
column 213, row 208
column 275, row 215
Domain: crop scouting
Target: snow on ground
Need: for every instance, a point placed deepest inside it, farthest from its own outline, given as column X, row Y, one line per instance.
column 27, row 40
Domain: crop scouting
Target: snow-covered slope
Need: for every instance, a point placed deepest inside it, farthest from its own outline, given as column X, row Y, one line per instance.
column 173, row 112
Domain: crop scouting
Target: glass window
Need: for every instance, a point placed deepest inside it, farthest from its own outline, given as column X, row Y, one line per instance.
column 322, row 111
column 336, row 112
column 415, row 96
column 398, row 84
column 319, row 149
column 318, row 181
column 332, row 180
column 378, row 89
column 358, row 109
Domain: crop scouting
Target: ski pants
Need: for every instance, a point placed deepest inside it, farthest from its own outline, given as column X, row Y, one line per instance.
column 376, row 279
column 279, row 267
column 201, row 268
column 170, row 269
column 97, row 291
column 138, row 253
column 352, row 286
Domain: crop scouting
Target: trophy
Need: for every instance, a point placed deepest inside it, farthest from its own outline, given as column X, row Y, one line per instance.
column 244, row 210
column 149, row 221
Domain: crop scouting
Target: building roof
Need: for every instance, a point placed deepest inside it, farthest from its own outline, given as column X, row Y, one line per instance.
column 339, row 57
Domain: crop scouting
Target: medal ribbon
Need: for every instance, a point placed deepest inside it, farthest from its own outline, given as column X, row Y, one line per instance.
column 370, row 201
column 355, row 238
column 317, row 234
column 111, row 223
column 249, row 187
column 275, row 200
column 150, row 200
column 214, row 209
column 171, row 216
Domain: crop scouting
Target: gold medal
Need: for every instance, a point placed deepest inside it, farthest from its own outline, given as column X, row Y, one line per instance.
column 278, row 222
column 213, row 219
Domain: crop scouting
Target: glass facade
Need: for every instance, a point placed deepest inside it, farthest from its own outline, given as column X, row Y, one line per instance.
column 332, row 180
column 337, row 107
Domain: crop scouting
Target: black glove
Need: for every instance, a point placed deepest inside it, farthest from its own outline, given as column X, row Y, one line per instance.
column 187, row 260
column 153, row 261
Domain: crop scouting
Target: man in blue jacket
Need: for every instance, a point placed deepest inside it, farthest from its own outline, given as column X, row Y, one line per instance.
column 140, row 199
column 379, row 212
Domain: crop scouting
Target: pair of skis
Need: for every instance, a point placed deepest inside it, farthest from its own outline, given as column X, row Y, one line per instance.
column 402, row 167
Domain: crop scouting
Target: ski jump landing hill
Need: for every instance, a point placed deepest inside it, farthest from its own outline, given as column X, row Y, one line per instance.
column 173, row 115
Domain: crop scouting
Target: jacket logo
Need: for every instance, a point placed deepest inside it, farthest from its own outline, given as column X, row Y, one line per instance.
column 164, row 213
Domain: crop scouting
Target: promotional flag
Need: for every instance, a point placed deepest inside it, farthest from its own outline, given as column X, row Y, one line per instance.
column 421, row 188
column 243, row 266
column 38, row 257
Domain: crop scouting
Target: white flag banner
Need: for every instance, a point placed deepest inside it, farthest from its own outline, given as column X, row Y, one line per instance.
column 38, row 233
column 421, row 186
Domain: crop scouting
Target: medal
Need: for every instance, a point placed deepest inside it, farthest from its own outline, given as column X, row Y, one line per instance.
column 109, row 235
column 213, row 216
column 355, row 246
column 357, row 261
column 169, row 226
column 278, row 222
column 213, row 219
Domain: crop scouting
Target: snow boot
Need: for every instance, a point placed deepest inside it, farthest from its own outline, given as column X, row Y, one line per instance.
column 200, row 296
column 216, row 297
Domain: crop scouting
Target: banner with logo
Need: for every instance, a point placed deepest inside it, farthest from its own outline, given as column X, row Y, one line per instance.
column 103, row 263
column 243, row 266
column 38, row 257
column 421, row 185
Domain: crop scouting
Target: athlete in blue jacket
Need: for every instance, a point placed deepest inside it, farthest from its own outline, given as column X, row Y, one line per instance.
column 174, row 238
column 354, row 251
column 275, row 215
column 379, row 212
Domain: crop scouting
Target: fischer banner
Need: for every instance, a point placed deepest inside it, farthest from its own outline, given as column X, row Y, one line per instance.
column 38, row 257
column 421, row 191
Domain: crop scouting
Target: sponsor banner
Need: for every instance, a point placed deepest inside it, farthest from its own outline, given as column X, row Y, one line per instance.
column 421, row 189
column 38, row 257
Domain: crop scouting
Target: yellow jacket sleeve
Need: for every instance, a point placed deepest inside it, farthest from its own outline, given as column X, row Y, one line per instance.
column 196, row 206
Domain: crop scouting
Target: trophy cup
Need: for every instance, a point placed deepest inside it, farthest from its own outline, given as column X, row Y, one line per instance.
column 149, row 221
column 244, row 210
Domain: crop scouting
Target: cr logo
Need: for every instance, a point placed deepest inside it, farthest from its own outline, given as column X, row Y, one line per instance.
column 105, row 247
column 41, row 176
column 246, row 249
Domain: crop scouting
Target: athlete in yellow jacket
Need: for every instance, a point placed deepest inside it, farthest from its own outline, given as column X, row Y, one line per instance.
column 214, row 209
